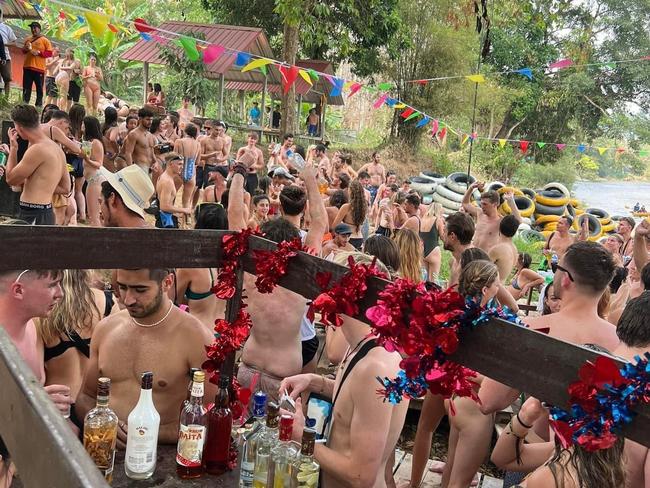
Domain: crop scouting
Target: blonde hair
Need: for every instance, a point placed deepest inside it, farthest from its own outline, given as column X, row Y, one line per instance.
column 359, row 258
column 410, row 254
column 76, row 311
column 475, row 276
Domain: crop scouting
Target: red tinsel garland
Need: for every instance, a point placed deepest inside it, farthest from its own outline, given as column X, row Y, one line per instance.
column 233, row 248
column 344, row 297
column 272, row 265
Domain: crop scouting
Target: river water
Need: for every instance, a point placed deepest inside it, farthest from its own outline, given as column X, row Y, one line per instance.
column 617, row 197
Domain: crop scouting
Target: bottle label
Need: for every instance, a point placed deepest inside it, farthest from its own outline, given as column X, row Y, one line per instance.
column 197, row 389
column 141, row 448
column 190, row 445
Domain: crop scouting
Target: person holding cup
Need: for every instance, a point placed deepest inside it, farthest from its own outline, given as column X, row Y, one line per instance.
column 251, row 156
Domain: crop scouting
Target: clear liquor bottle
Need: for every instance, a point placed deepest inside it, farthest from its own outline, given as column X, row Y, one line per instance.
column 283, row 455
column 192, row 432
column 265, row 444
column 305, row 469
column 100, row 431
column 142, row 437
column 250, row 441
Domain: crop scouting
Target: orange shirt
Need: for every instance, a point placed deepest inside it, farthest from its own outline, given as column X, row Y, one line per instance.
column 37, row 63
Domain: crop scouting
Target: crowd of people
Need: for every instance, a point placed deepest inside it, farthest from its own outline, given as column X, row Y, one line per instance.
column 181, row 171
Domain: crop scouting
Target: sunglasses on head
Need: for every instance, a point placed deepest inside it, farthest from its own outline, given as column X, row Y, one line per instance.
column 555, row 267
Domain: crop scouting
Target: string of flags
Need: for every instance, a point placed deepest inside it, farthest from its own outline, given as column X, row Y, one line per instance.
column 97, row 23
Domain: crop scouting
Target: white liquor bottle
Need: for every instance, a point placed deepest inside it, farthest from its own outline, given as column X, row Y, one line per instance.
column 142, row 439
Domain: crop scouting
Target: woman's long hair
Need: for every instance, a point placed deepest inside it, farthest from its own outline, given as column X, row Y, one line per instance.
column 76, row 311
column 603, row 468
column 92, row 129
column 475, row 276
column 77, row 113
column 410, row 254
column 110, row 119
column 358, row 204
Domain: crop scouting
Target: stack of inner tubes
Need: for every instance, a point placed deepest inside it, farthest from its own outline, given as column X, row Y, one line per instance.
column 450, row 193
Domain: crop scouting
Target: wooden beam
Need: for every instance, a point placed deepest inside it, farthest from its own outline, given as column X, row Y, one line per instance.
column 222, row 87
column 145, row 71
column 39, row 439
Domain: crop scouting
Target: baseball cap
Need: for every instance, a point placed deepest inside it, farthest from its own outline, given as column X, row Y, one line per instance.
column 343, row 229
column 133, row 185
column 35, row 24
column 280, row 172
column 222, row 170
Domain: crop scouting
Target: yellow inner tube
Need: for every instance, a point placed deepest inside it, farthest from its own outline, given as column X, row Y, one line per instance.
column 606, row 221
column 505, row 208
column 551, row 202
column 551, row 226
column 546, row 233
column 608, row 227
column 579, row 211
column 542, row 219
column 575, row 203
column 595, row 238
column 506, row 189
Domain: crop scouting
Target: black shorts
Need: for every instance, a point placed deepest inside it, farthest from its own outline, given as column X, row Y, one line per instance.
column 74, row 91
column 382, row 231
column 252, row 182
column 51, row 90
column 36, row 213
column 309, row 350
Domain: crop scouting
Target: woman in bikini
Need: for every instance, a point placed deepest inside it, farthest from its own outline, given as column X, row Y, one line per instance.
column 62, row 80
column 354, row 213
column 110, row 139
column 93, row 155
column 92, row 76
column 525, row 278
column 190, row 149
column 431, row 227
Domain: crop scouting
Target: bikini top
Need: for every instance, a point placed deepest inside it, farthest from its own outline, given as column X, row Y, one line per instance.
column 192, row 295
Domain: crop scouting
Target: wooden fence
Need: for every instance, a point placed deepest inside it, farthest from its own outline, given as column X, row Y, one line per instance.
column 527, row 360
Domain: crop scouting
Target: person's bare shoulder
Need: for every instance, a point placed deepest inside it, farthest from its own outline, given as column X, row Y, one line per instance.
column 113, row 324
column 194, row 330
column 540, row 322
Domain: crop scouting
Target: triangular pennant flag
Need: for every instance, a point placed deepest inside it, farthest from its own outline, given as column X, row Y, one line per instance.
column 643, row 153
column 524, row 146
column 35, row 6
column 242, row 59
column 141, row 25
column 442, row 134
column 560, row 146
column 473, row 136
column 422, row 122
column 189, row 46
column 98, row 23
column 62, row 15
column 313, row 74
column 27, row 5
column 145, row 36
column 406, row 113
column 80, row 19
column 212, row 53
column 305, row 76
column 391, row 102
column 399, row 105
column 354, row 88
column 620, row 150
column 256, row 63
column 421, row 82
column 541, row 145
column 502, row 142
column 385, row 86
column 337, row 88
column 412, row 116
column 289, row 75
column 464, row 139
column 380, row 101
column 329, row 78
column 79, row 32
column 347, row 85
column 562, row 63
column 476, row 78
column 73, row 18
column 582, row 148
column 263, row 70
column 434, row 127
column 113, row 28
column 527, row 72
column 158, row 39
column 602, row 150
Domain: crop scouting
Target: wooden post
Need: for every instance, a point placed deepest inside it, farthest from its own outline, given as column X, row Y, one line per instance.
column 322, row 119
column 298, row 111
column 233, row 306
column 264, row 107
column 145, row 70
column 222, row 80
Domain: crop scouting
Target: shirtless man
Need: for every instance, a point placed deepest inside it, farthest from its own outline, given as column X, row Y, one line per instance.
column 581, row 277
column 487, row 218
column 641, row 241
column 218, row 177
column 124, row 196
column 340, row 242
column 560, row 240
column 166, row 191
column 321, row 159
column 57, row 129
column 139, row 144
column 221, row 130
column 185, row 115
column 134, row 340
column 377, row 173
column 287, row 144
column 457, row 236
column 51, row 70
column 504, row 254
column 624, row 229
column 407, row 214
column 344, row 165
column 23, row 296
column 251, row 156
column 364, row 429
column 274, row 347
column 42, row 171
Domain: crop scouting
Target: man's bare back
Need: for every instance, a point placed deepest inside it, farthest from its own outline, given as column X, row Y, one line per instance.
column 122, row 350
column 505, row 256
column 585, row 328
column 45, row 162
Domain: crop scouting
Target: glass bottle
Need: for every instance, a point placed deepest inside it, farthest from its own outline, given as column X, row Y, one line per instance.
column 305, row 469
column 192, row 432
column 250, row 441
column 267, row 441
column 142, row 437
column 100, row 431
column 282, row 455
column 189, row 389
column 216, row 453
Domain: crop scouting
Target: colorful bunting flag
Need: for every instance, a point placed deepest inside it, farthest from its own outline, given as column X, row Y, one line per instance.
column 434, row 127
column 145, row 36
column 442, row 135
column 256, row 63
column 113, row 29
column 422, row 122
column 602, row 150
column 524, row 146
column 289, row 75
column 189, row 45
column 562, row 63
column 212, row 53
column 380, row 101
column 391, row 102
column 97, row 22
column 242, row 59
column 79, row 32
column 158, row 39
column 464, row 139
column 305, row 76
column 141, row 25
column 62, row 15
column 354, row 88
column 541, row 145
column 385, row 86
column 582, row 148
column 406, row 113
column 399, row 105
column 80, row 19
column 337, row 88
column 347, row 85
column 644, row 152
column 473, row 136
column 412, row 116
column 313, row 74
column 502, row 143
column 478, row 78
column 527, row 72
column 620, row 150
column 329, row 78
column 560, row 146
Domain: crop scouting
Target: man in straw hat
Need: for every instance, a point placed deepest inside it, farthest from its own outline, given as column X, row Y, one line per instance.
column 124, row 197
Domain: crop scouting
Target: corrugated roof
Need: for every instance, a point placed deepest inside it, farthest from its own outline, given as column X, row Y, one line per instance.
column 16, row 9
column 248, row 39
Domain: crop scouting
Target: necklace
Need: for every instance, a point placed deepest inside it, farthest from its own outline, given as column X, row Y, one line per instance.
column 352, row 351
column 147, row 326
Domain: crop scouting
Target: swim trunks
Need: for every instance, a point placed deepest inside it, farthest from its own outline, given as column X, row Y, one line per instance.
column 188, row 169
column 166, row 220
column 36, row 213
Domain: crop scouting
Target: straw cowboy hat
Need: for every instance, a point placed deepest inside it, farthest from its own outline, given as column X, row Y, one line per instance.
column 133, row 185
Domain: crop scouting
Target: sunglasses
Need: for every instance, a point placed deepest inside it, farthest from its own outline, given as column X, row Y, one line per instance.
column 555, row 267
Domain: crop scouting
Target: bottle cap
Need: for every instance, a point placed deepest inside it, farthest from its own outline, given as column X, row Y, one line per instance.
column 286, row 427
column 308, row 441
column 199, row 376
column 147, row 380
column 103, row 386
column 192, row 371
column 259, row 404
column 272, row 415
